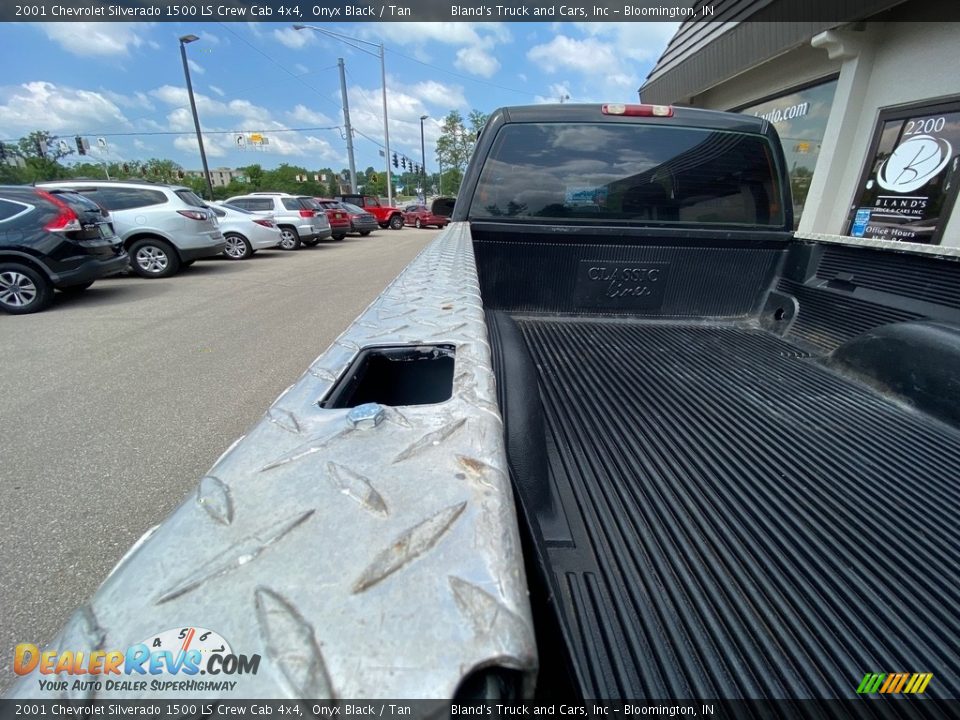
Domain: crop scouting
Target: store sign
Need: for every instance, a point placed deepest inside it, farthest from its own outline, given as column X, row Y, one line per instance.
column 791, row 112
column 909, row 184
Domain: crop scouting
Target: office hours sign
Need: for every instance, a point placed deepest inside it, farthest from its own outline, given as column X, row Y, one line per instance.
column 910, row 185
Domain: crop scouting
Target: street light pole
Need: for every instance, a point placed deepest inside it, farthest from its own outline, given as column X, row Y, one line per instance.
column 355, row 43
column 193, row 106
column 423, row 159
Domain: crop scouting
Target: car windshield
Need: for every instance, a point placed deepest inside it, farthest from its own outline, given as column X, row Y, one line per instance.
column 350, row 207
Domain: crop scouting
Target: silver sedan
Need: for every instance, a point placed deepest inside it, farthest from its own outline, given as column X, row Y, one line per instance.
column 245, row 232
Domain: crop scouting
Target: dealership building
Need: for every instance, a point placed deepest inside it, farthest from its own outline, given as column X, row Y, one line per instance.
column 867, row 106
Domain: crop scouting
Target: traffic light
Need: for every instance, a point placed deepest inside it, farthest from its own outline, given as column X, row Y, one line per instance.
column 416, row 169
column 395, row 163
column 82, row 145
column 404, row 163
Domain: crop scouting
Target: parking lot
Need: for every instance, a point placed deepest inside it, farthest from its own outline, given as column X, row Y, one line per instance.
column 115, row 402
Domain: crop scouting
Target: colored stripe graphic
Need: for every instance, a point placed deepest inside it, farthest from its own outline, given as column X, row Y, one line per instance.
column 894, row 683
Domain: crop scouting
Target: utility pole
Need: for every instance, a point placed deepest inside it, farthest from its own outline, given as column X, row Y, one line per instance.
column 423, row 160
column 346, row 122
column 386, row 125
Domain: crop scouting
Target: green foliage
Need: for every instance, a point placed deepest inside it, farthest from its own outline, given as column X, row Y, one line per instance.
column 455, row 146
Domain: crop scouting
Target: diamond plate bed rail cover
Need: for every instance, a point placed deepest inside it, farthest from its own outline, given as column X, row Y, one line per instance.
column 357, row 559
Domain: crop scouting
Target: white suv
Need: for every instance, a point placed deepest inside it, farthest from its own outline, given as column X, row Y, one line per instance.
column 300, row 218
column 163, row 227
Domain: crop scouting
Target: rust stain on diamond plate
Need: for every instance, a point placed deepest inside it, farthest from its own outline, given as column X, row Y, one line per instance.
column 291, row 645
column 243, row 552
column 408, row 546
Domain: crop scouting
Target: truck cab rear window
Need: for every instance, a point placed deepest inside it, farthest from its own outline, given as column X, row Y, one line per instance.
column 648, row 174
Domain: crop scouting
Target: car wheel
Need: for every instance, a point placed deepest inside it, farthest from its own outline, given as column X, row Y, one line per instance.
column 237, row 248
column 23, row 290
column 384, row 226
column 396, row 222
column 74, row 289
column 289, row 238
column 153, row 258
column 417, row 224
column 364, row 233
column 311, row 243
column 339, row 236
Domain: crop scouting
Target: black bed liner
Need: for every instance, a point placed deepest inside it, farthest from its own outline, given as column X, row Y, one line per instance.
column 736, row 520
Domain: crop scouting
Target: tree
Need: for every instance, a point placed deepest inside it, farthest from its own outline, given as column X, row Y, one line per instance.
column 455, row 146
column 163, row 170
column 254, row 175
column 39, row 153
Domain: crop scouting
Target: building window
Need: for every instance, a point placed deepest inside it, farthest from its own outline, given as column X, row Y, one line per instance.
column 800, row 117
column 909, row 185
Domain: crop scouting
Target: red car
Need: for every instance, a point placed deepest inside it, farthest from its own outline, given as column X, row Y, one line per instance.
column 422, row 216
column 387, row 217
column 338, row 217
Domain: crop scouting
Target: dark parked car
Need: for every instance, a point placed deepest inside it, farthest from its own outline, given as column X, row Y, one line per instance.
column 360, row 220
column 337, row 217
column 52, row 239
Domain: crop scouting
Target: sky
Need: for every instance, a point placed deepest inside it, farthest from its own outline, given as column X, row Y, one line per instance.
column 124, row 82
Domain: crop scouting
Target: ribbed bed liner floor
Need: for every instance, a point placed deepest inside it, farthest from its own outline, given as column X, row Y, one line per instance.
column 745, row 522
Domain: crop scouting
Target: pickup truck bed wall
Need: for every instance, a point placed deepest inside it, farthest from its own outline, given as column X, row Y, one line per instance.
column 715, row 507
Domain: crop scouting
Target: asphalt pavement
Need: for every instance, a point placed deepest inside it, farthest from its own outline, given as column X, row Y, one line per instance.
column 114, row 403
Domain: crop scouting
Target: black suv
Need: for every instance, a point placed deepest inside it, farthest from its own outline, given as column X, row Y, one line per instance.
column 52, row 239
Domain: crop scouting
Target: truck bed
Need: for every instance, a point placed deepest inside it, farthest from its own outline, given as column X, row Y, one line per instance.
column 722, row 512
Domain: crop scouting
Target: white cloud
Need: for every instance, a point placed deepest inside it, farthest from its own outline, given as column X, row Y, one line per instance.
column 195, row 66
column 180, row 119
column 188, row 143
column 611, row 58
column 302, row 114
column 138, row 100
column 209, row 38
column 562, row 52
column 437, row 93
column 477, row 60
column 58, row 108
column 478, row 41
column 295, row 39
column 178, row 97
column 217, row 90
column 95, row 38
column 301, row 69
column 555, row 92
